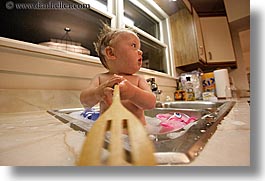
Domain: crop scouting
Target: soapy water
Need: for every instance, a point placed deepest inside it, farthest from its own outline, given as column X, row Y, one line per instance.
column 154, row 128
column 172, row 124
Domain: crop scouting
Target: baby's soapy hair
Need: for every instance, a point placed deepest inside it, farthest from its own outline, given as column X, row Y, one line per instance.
column 105, row 37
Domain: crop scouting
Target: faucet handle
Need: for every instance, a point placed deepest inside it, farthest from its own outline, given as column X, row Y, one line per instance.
column 152, row 79
column 154, row 86
column 157, row 92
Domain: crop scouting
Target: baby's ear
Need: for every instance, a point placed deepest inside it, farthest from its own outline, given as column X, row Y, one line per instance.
column 109, row 52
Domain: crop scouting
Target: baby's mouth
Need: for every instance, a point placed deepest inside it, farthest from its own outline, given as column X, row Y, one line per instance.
column 140, row 61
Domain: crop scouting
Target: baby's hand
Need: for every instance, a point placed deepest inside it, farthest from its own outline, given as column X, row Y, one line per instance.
column 105, row 90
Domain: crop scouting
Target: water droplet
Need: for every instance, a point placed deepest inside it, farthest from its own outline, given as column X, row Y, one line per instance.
column 202, row 130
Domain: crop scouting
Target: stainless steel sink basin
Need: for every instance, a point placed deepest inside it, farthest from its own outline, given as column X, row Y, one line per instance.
column 199, row 105
column 191, row 112
column 187, row 144
column 181, row 146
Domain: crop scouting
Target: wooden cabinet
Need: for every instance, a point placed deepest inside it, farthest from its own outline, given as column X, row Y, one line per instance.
column 200, row 42
column 199, row 36
column 183, row 36
column 217, row 40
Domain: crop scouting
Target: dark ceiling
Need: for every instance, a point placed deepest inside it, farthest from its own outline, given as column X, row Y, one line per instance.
column 202, row 7
column 209, row 7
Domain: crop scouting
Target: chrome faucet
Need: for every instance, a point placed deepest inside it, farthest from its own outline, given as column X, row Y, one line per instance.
column 153, row 84
column 154, row 88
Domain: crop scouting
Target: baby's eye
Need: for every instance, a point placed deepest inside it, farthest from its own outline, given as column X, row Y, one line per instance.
column 134, row 45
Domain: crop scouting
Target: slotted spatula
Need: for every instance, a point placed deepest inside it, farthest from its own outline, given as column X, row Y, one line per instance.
column 117, row 120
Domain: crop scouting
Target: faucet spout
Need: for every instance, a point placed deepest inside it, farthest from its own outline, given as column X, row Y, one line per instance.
column 154, row 88
column 153, row 84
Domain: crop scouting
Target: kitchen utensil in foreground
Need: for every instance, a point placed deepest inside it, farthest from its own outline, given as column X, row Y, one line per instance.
column 117, row 120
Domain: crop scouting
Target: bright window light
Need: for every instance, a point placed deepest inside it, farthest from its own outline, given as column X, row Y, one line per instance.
column 96, row 4
column 128, row 21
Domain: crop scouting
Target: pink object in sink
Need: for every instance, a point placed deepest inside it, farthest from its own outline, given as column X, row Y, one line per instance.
column 173, row 121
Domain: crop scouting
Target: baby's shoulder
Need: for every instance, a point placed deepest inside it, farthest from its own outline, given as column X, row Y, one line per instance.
column 103, row 77
column 139, row 78
column 133, row 78
column 98, row 79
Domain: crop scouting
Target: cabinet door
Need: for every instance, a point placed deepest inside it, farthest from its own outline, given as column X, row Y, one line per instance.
column 183, row 36
column 199, row 37
column 217, row 39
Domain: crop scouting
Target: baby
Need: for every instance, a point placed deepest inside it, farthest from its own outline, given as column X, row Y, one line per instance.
column 119, row 52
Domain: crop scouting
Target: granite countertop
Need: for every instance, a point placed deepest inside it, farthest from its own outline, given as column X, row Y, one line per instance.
column 230, row 144
column 38, row 139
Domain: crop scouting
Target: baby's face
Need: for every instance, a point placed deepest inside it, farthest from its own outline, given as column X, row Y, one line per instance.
column 128, row 54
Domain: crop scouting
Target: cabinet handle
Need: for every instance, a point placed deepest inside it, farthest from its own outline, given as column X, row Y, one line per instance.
column 201, row 50
column 210, row 55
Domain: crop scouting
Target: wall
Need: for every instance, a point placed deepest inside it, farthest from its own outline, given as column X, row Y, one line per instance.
column 245, row 46
column 237, row 9
column 239, row 21
column 240, row 75
column 50, row 79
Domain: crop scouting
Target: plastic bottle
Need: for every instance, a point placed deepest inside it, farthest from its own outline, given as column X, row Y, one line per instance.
column 189, row 92
column 179, row 94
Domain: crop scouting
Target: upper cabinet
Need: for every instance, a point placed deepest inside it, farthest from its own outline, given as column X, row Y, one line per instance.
column 217, row 40
column 203, row 42
column 183, row 36
column 199, row 37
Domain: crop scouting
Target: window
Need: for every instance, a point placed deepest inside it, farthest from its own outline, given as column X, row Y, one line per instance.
column 97, row 5
column 153, row 55
column 141, row 19
column 144, row 20
column 145, row 17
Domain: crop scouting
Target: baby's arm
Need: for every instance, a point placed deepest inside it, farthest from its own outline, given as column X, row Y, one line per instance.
column 141, row 96
column 98, row 91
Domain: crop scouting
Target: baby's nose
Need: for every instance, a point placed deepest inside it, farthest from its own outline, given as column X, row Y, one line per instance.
column 140, row 52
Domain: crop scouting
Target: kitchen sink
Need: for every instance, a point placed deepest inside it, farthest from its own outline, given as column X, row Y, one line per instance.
column 181, row 146
column 190, row 104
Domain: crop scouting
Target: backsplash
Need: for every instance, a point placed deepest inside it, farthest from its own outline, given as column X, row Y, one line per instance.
column 36, row 78
column 19, row 100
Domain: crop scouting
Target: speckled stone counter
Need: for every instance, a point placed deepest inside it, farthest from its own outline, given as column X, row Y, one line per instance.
column 38, row 139
column 230, row 144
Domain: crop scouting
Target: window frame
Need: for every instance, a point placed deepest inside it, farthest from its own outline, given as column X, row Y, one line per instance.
column 162, row 18
column 115, row 11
